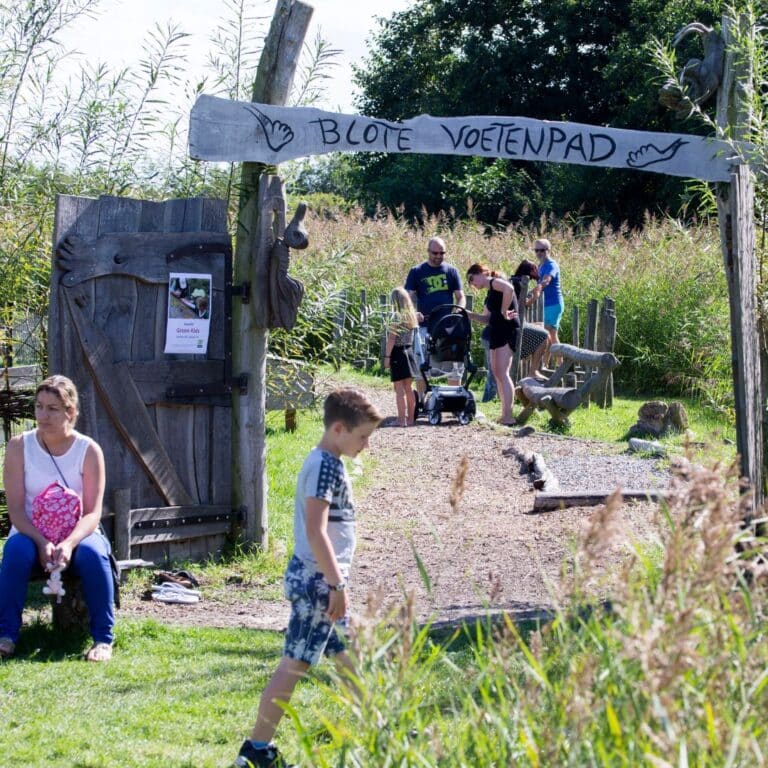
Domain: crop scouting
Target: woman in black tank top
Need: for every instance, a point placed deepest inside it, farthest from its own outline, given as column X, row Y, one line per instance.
column 501, row 314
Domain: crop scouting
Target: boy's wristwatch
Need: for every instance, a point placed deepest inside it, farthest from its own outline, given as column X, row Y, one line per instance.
column 340, row 587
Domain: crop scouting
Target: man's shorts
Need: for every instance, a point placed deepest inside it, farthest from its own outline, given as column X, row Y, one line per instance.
column 420, row 345
column 310, row 633
column 553, row 313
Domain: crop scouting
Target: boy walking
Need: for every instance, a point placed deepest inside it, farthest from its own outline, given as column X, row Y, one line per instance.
column 316, row 577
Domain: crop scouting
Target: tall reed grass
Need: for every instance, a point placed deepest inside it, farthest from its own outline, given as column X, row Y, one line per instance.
column 667, row 280
column 673, row 672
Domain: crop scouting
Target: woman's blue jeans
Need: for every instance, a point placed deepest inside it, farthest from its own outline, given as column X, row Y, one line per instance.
column 90, row 562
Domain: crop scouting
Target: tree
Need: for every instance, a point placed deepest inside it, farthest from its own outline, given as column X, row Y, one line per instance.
column 551, row 59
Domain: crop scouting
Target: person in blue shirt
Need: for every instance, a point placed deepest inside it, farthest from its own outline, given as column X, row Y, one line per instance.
column 549, row 284
column 430, row 284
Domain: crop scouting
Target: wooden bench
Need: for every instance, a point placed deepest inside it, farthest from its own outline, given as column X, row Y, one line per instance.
column 560, row 401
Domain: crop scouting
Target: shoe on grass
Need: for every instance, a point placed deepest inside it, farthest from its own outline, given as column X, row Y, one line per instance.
column 266, row 757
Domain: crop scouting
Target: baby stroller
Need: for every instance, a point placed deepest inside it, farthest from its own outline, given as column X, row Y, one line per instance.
column 449, row 340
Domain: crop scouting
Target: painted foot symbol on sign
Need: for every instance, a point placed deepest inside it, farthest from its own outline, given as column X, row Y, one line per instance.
column 649, row 154
column 277, row 134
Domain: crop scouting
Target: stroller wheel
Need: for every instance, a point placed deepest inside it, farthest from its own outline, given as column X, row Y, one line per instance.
column 464, row 417
column 435, row 417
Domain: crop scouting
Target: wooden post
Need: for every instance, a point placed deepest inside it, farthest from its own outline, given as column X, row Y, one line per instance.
column 590, row 338
column 384, row 310
column 339, row 319
column 735, row 204
column 575, row 328
column 121, row 503
column 274, row 77
column 606, row 342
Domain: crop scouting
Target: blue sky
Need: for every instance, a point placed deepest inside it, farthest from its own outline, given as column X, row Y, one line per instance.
column 115, row 36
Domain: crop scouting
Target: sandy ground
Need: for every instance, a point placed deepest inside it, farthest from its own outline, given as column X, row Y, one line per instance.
column 484, row 550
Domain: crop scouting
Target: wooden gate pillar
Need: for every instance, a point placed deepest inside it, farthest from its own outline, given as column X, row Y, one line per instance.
column 274, row 78
column 735, row 203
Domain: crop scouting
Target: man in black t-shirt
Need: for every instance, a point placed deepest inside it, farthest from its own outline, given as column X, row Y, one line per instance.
column 430, row 284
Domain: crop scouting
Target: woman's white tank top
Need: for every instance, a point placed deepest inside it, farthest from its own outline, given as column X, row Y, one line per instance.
column 40, row 471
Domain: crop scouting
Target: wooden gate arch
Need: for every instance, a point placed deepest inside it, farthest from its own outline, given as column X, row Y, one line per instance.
column 163, row 420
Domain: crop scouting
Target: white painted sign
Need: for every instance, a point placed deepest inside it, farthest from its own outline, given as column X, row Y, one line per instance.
column 189, row 313
column 237, row 131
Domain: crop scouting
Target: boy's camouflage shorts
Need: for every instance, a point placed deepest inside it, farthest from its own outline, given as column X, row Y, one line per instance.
column 310, row 633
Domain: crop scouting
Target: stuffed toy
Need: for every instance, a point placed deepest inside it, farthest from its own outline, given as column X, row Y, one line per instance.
column 55, row 586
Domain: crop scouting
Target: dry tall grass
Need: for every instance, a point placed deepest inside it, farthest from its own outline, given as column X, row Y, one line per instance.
column 667, row 280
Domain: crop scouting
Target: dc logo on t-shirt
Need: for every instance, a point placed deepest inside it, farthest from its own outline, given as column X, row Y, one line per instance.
column 435, row 283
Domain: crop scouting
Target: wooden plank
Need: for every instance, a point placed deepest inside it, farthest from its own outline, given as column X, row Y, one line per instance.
column 21, row 377
column 122, row 401
column 140, row 255
column 202, row 449
column 182, row 533
column 224, row 130
column 547, row 502
column 152, row 378
column 177, row 512
column 221, row 456
column 74, row 216
column 289, row 384
column 121, row 502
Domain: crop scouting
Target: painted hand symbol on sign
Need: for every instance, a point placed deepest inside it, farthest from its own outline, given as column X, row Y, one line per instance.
column 649, row 154
column 277, row 134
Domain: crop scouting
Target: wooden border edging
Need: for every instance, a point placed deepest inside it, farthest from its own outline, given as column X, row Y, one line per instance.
column 547, row 502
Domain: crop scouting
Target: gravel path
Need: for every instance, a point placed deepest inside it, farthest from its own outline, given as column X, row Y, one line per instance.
column 483, row 550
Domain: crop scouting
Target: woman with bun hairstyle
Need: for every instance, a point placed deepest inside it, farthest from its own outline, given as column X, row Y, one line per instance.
column 501, row 314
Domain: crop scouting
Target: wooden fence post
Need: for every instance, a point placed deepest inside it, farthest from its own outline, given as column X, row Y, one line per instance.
column 274, row 78
column 735, row 204
column 384, row 309
column 590, row 339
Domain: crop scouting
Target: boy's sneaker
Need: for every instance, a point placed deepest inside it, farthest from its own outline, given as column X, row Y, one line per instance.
column 267, row 757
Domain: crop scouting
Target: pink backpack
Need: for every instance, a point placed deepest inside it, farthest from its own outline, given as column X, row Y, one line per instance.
column 55, row 512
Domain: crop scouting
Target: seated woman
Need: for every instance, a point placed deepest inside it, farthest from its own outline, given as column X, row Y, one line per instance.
column 52, row 453
column 501, row 314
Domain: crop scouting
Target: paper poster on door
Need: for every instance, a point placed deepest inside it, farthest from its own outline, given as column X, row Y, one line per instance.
column 189, row 313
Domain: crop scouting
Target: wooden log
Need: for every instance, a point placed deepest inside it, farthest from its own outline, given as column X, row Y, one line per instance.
column 121, row 502
column 586, row 356
column 274, row 76
column 535, row 392
column 546, row 502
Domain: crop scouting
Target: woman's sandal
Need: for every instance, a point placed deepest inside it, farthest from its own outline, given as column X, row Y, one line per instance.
column 511, row 423
column 99, row 652
column 7, row 647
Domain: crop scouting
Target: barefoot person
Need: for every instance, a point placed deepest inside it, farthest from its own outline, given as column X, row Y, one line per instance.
column 399, row 358
column 501, row 314
column 316, row 578
column 35, row 461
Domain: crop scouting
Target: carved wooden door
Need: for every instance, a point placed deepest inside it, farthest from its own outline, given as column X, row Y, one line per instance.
column 163, row 420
